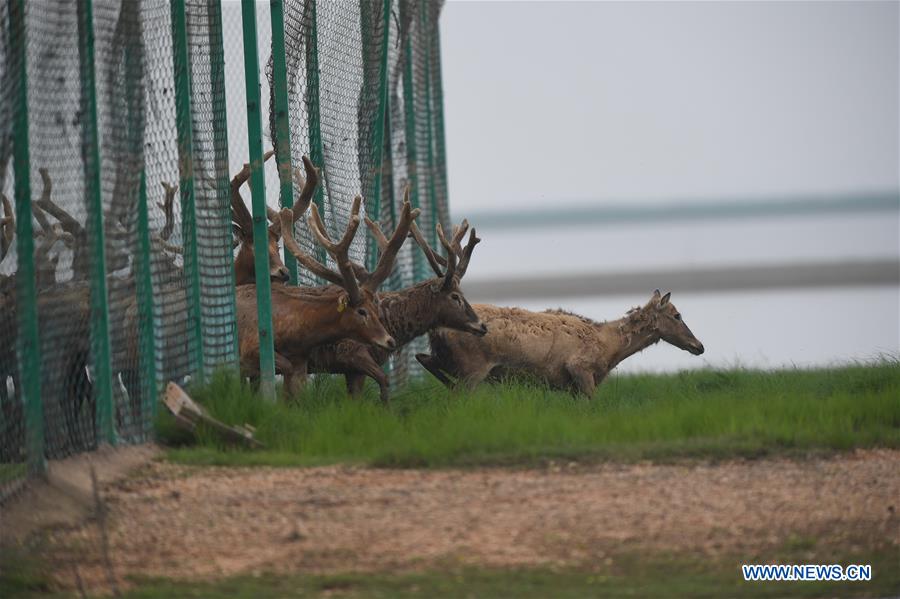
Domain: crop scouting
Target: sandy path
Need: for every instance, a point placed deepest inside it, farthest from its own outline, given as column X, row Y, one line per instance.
column 207, row 522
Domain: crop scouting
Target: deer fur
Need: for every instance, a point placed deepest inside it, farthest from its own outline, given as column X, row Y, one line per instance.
column 407, row 314
column 242, row 225
column 305, row 317
column 564, row 350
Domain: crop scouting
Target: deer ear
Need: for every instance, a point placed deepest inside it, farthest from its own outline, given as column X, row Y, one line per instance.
column 665, row 299
column 343, row 302
column 236, row 229
column 655, row 297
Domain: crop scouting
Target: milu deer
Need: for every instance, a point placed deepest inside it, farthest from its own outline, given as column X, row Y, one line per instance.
column 305, row 317
column 565, row 350
column 408, row 313
column 244, row 269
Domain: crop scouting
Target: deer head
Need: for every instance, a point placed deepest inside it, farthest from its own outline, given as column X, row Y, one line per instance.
column 452, row 308
column 669, row 325
column 357, row 305
column 242, row 224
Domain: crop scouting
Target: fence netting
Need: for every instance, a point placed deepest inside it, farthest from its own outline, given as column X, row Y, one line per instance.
column 111, row 158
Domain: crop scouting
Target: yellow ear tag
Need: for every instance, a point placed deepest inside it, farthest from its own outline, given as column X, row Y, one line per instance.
column 342, row 303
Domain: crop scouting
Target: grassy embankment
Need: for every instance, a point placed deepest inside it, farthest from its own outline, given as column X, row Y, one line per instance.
column 713, row 414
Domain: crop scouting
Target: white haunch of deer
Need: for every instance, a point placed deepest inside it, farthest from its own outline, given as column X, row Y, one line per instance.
column 564, row 350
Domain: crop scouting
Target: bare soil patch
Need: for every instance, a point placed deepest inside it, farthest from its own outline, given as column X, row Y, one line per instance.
column 201, row 523
column 64, row 496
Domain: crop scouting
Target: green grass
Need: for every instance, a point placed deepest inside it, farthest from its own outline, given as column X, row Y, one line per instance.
column 627, row 575
column 712, row 414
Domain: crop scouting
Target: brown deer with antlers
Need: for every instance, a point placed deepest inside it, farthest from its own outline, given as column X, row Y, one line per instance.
column 305, row 317
column 565, row 350
column 408, row 313
column 244, row 269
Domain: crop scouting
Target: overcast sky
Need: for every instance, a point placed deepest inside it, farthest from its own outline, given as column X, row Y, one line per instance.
column 607, row 101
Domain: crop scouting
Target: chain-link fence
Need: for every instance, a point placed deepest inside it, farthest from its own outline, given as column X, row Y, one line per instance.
column 116, row 250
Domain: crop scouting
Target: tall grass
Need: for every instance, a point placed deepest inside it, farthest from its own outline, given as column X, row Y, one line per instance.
column 698, row 413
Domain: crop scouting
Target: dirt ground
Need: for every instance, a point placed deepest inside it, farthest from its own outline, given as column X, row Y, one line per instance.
column 201, row 523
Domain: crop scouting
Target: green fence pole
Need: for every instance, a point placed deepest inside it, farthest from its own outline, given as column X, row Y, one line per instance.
column 282, row 125
column 27, row 339
column 220, row 139
column 184, row 124
column 432, row 190
column 145, row 311
column 373, row 203
column 438, row 101
column 258, row 191
column 100, row 344
column 316, row 151
column 409, row 111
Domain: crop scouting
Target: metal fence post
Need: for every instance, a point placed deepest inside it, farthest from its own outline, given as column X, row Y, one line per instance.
column 376, row 141
column 282, row 125
column 437, row 97
column 432, row 190
column 258, row 191
column 184, row 122
column 409, row 111
column 220, row 139
column 27, row 339
column 316, row 152
column 145, row 311
column 100, row 344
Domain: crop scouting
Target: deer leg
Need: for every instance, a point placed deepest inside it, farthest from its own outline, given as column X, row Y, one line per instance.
column 365, row 365
column 430, row 363
column 582, row 380
column 354, row 382
column 599, row 376
column 284, row 366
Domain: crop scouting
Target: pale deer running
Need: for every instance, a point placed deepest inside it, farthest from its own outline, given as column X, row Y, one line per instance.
column 410, row 312
column 565, row 350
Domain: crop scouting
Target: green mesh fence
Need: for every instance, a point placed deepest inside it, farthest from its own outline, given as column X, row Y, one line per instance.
column 116, row 250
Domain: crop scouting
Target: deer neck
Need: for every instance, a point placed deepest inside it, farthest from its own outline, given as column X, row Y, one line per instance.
column 632, row 335
column 294, row 322
column 410, row 312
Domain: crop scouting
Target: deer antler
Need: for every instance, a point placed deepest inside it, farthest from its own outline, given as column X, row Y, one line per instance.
column 449, row 246
column 339, row 251
column 307, row 187
column 286, row 218
column 68, row 222
column 457, row 260
column 436, row 261
column 168, row 208
column 466, row 254
column 239, row 213
column 7, row 226
column 390, row 248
